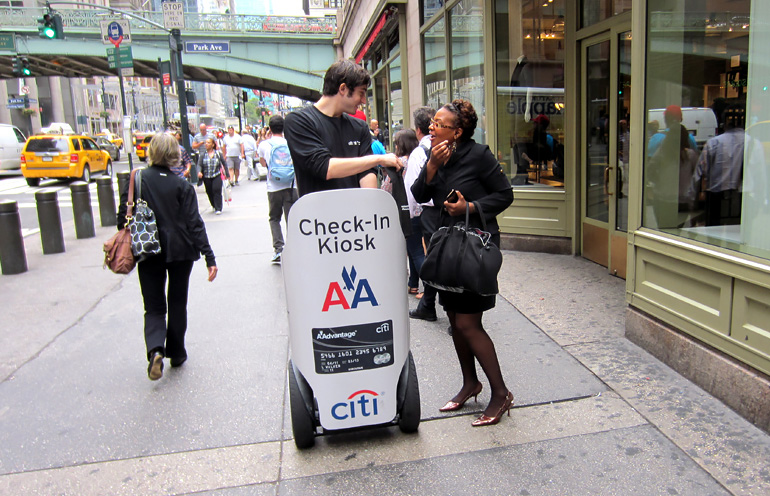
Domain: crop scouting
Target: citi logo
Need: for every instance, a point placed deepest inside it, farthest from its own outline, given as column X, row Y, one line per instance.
column 354, row 143
column 362, row 292
column 365, row 405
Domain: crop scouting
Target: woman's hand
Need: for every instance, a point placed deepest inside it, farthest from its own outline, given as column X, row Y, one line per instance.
column 457, row 208
column 200, row 175
column 440, row 153
column 212, row 273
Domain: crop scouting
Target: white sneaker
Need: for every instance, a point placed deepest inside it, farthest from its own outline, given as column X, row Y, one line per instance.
column 218, row 212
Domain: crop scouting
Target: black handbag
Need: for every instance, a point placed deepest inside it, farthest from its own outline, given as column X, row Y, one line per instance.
column 143, row 227
column 462, row 258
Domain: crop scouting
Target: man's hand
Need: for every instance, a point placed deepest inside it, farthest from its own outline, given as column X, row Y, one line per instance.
column 390, row 160
column 212, row 273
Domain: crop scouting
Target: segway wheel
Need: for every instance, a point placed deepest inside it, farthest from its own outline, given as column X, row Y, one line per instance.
column 302, row 424
column 409, row 418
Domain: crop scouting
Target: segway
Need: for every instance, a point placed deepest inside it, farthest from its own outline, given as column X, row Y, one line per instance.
column 344, row 269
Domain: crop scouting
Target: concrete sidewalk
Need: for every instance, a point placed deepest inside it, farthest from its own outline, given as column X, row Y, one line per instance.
column 594, row 413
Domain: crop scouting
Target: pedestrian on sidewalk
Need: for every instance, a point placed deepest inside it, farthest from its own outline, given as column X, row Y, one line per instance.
column 457, row 164
column 212, row 169
column 281, row 190
column 184, row 168
column 250, row 155
column 404, row 143
column 232, row 147
column 182, row 241
column 330, row 148
column 420, row 214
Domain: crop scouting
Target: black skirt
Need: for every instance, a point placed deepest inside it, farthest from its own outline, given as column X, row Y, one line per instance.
column 466, row 302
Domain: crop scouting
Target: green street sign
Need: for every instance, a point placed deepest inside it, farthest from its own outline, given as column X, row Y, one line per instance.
column 7, row 42
column 126, row 57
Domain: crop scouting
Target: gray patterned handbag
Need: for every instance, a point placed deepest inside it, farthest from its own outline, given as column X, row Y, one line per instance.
column 144, row 229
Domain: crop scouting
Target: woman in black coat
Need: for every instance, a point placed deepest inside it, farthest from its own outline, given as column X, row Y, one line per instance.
column 182, row 240
column 458, row 164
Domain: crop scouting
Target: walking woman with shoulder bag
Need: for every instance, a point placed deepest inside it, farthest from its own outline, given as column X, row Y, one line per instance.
column 182, row 241
column 211, row 166
column 467, row 180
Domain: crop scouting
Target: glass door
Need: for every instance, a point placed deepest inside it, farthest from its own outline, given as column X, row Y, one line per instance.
column 606, row 90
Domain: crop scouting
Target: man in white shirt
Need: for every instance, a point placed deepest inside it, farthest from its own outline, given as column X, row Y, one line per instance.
column 250, row 154
column 424, row 217
column 280, row 195
column 232, row 145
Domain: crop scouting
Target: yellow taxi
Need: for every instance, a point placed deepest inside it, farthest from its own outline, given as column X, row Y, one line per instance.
column 63, row 156
column 113, row 138
column 142, row 143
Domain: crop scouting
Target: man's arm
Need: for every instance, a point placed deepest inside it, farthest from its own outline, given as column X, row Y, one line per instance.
column 346, row 167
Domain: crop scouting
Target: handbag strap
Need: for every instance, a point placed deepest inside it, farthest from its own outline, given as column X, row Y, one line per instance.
column 139, row 184
column 130, row 200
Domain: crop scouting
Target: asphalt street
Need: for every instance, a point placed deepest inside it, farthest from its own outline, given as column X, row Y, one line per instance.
column 594, row 414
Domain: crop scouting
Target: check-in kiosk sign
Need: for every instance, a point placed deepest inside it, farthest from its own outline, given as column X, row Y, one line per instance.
column 345, row 273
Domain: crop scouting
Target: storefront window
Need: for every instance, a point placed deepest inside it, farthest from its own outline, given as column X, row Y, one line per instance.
column 396, row 98
column 529, row 48
column 708, row 123
column 434, row 48
column 468, row 59
column 598, row 10
column 429, row 9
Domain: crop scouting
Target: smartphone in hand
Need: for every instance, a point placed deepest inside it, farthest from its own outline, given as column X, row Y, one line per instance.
column 452, row 196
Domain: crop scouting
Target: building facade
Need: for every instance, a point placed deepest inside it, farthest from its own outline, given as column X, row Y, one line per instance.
column 635, row 134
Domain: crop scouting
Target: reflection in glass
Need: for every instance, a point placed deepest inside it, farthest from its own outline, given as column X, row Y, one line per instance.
column 597, row 124
column 598, row 10
column 529, row 56
column 623, row 130
column 429, row 8
column 468, row 59
column 716, row 117
column 382, row 102
column 435, row 65
column 396, row 98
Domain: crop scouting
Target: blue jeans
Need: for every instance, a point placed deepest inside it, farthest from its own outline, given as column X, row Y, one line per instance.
column 416, row 253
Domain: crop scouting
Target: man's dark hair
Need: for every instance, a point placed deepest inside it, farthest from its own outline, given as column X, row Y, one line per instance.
column 422, row 117
column 344, row 71
column 276, row 124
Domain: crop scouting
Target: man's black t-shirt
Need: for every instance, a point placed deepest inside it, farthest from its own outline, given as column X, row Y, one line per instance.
column 314, row 138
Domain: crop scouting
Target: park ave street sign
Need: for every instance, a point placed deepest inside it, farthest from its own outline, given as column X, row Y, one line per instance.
column 207, row 46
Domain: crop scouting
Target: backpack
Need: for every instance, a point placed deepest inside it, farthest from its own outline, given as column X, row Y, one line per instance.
column 281, row 165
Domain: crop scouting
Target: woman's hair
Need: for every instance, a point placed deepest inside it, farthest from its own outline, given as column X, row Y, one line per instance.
column 164, row 150
column 213, row 141
column 465, row 117
column 404, row 142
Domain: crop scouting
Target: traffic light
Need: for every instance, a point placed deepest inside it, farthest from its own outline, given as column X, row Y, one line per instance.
column 236, row 109
column 16, row 66
column 25, row 70
column 245, row 96
column 50, row 27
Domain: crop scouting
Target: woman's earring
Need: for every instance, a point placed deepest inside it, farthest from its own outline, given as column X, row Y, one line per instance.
column 454, row 146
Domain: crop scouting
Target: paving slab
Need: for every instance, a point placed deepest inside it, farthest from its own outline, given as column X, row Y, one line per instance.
column 637, row 460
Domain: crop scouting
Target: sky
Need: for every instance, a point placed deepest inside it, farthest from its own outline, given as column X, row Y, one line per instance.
column 269, row 7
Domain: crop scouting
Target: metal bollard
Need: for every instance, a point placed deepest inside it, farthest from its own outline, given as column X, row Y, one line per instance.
column 13, row 258
column 81, row 208
column 49, row 218
column 106, row 196
column 123, row 178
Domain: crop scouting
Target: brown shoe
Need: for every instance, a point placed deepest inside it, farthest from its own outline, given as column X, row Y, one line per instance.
column 155, row 369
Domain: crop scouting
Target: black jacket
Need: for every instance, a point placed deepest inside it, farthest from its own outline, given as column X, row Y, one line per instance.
column 180, row 227
column 473, row 171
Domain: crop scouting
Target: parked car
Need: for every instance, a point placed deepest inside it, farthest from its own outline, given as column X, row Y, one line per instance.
column 12, row 141
column 63, row 156
column 109, row 147
column 112, row 137
column 141, row 147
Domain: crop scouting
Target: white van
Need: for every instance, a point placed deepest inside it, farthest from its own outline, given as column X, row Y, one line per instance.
column 699, row 121
column 12, row 141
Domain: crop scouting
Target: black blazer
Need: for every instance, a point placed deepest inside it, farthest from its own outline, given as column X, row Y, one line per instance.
column 473, row 171
column 180, row 227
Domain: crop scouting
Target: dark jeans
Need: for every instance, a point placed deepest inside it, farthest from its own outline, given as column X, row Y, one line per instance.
column 279, row 202
column 214, row 191
column 169, row 339
column 429, row 293
column 416, row 252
